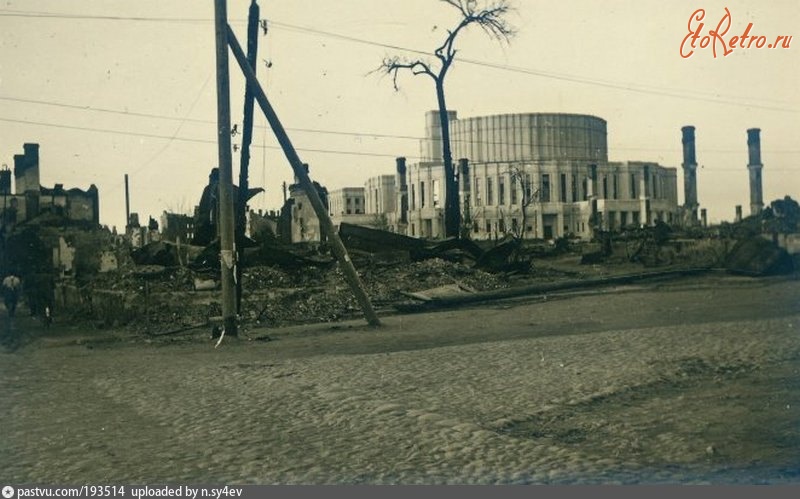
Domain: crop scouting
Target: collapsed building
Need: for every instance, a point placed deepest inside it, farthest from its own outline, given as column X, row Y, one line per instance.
column 298, row 221
column 50, row 237
column 177, row 227
column 30, row 199
column 69, row 215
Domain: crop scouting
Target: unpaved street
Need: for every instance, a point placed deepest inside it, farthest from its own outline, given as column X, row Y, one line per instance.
column 691, row 381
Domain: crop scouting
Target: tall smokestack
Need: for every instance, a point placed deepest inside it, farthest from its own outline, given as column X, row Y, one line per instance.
column 704, row 217
column 127, row 203
column 463, row 177
column 20, row 185
column 755, row 166
column 689, row 172
column 464, row 188
column 591, row 195
column 738, row 213
column 402, row 189
column 32, row 166
column 644, row 196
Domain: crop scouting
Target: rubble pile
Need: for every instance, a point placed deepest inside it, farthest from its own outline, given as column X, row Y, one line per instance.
column 165, row 279
column 164, row 299
column 277, row 297
column 385, row 284
column 156, row 299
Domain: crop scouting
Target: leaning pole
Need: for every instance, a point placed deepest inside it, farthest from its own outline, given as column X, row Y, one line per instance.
column 349, row 271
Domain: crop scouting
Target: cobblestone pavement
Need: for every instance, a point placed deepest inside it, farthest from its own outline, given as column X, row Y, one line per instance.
column 692, row 382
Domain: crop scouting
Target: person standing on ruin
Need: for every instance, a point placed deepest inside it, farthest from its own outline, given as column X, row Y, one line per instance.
column 11, row 288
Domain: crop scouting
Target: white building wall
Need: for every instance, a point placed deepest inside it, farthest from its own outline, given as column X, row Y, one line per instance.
column 426, row 200
column 380, row 194
column 553, row 154
column 346, row 201
column 431, row 146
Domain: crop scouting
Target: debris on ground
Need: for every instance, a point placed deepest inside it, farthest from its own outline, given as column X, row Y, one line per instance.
column 302, row 283
column 759, row 257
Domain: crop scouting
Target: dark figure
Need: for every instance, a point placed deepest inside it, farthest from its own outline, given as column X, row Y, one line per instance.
column 11, row 287
column 39, row 293
column 205, row 220
column 47, row 318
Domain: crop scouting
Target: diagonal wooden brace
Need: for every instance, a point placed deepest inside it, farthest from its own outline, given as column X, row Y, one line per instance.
column 350, row 274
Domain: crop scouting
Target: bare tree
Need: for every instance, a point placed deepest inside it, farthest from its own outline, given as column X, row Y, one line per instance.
column 490, row 18
column 530, row 193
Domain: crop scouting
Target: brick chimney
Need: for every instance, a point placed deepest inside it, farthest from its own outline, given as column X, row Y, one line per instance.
column 754, row 166
column 689, row 172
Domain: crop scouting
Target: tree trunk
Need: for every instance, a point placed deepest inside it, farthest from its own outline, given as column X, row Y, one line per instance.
column 452, row 217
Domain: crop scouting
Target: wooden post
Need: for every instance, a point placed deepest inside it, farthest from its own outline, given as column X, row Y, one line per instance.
column 247, row 138
column 227, row 254
column 338, row 248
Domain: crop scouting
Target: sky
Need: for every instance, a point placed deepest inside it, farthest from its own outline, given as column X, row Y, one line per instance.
column 109, row 87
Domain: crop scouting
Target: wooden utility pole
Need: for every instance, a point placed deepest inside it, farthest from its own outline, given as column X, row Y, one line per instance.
column 247, row 138
column 338, row 248
column 227, row 253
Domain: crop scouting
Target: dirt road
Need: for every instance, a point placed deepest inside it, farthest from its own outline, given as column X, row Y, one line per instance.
column 693, row 381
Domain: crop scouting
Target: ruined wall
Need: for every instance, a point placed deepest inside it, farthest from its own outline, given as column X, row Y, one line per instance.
column 26, row 169
column 305, row 226
column 175, row 226
column 83, row 205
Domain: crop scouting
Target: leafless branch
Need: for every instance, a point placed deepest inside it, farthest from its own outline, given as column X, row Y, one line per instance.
column 393, row 65
column 491, row 19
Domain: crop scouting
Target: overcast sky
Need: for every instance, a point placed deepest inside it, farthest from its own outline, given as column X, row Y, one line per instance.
column 109, row 87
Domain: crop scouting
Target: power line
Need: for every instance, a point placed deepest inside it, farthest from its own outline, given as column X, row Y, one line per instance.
column 177, row 129
column 639, row 88
column 663, row 91
column 52, row 15
column 342, row 132
column 310, row 150
column 196, row 120
column 187, row 139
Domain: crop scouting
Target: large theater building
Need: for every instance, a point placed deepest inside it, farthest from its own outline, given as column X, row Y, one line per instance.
column 539, row 175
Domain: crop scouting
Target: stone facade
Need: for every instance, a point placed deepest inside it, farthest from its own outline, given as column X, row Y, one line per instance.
column 531, row 175
column 534, row 175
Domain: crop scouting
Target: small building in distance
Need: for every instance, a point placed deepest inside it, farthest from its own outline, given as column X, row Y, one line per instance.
column 177, row 227
column 348, row 205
